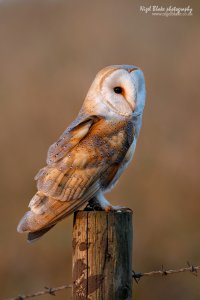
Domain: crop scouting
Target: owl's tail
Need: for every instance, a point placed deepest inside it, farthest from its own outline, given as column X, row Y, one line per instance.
column 29, row 223
column 45, row 212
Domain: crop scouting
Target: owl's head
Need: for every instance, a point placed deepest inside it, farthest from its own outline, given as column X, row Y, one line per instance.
column 118, row 89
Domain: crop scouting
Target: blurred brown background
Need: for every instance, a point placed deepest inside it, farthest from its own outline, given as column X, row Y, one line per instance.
column 50, row 52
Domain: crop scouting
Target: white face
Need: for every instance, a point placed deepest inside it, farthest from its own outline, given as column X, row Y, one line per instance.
column 121, row 89
column 119, row 92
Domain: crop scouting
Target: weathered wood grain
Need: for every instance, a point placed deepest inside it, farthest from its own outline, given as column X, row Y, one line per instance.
column 102, row 255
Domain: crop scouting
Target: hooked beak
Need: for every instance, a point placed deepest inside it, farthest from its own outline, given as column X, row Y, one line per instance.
column 132, row 106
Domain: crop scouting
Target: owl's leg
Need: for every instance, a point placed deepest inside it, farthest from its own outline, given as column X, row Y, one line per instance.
column 103, row 202
column 99, row 202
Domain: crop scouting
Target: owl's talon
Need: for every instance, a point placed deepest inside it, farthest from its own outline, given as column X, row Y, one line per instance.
column 117, row 208
column 108, row 208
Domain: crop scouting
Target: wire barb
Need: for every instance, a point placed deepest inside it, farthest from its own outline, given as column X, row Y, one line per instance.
column 50, row 291
column 193, row 269
column 136, row 276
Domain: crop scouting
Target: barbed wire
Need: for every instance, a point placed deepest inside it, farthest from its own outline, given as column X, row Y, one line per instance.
column 45, row 291
column 136, row 276
column 163, row 272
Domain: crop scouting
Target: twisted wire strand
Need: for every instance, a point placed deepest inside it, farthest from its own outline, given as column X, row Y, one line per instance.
column 136, row 276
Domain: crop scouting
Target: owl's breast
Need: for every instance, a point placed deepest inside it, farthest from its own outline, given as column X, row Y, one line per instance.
column 115, row 145
column 112, row 139
column 115, row 171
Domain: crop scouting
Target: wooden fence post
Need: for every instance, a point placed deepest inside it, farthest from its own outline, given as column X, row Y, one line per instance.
column 102, row 255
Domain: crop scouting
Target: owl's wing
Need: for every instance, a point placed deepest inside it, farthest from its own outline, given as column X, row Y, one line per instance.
column 77, row 130
column 72, row 168
column 69, row 180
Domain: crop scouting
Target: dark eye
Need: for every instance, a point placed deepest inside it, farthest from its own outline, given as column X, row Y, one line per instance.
column 118, row 90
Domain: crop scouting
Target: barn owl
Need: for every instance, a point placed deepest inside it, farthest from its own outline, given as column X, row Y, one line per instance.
column 91, row 154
